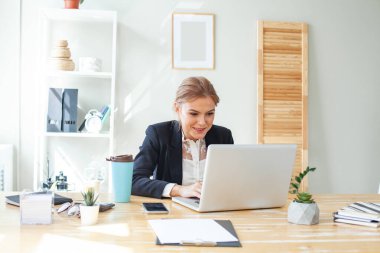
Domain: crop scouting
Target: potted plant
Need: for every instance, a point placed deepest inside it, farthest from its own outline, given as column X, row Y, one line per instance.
column 72, row 4
column 89, row 210
column 303, row 209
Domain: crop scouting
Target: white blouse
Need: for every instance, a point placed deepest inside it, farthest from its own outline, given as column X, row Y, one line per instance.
column 193, row 163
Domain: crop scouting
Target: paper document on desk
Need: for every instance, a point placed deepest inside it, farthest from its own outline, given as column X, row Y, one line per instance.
column 179, row 230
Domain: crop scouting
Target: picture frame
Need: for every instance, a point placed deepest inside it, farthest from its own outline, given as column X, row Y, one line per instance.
column 193, row 41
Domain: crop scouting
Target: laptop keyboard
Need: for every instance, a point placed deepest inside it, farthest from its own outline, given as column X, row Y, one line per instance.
column 190, row 201
column 195, row 200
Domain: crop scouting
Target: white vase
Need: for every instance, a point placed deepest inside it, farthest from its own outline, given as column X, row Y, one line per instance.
column 89, row 214
column 301, row 213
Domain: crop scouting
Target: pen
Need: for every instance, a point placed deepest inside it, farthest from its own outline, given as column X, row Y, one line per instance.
column 198, row 243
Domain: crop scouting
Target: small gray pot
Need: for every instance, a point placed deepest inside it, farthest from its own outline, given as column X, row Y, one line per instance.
column 305, row 214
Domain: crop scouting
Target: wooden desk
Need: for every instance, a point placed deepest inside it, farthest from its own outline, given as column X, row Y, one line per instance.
column 125, row 229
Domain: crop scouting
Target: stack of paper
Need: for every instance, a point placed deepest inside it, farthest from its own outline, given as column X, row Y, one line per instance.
column 171, row 231
column 359, row 213
column 36, row 208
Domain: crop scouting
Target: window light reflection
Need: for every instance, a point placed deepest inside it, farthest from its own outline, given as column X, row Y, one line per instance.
column 64, row 244
column 109, row 229
column 138, row 99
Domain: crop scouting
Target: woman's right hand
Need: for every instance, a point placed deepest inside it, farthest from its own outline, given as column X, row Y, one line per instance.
column 188, row 191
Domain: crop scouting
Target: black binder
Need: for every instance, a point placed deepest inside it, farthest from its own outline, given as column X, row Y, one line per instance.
column 54, row 113
column 227, row 224
column 69, row 110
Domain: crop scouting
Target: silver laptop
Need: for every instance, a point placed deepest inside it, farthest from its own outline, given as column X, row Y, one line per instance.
column 244, row 177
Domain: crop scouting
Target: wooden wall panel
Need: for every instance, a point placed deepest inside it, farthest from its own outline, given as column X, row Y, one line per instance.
column 282, row 87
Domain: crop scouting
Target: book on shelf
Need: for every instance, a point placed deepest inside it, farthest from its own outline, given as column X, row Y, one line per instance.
column 359, row 213
column 82, row 126
column 105, row 111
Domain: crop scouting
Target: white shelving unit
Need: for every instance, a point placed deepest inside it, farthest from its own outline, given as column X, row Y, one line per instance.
column 60, row 73
column 90, row 33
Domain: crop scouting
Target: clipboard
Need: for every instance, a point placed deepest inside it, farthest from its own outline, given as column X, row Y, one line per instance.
column 226, row 224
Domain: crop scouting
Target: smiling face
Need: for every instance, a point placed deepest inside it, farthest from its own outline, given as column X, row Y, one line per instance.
column 196, row 117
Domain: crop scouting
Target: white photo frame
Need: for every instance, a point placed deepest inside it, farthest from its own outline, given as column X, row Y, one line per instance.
column 192, row 41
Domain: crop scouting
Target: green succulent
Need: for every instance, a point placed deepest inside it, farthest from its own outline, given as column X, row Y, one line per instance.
column 302, row 197
column 89, row 196
column 296, row 181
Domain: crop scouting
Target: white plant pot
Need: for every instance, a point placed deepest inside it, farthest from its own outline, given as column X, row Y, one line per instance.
column 89, row 214
column 306, row 214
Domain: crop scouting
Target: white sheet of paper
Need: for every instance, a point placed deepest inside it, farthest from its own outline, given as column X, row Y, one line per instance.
column 177, row 230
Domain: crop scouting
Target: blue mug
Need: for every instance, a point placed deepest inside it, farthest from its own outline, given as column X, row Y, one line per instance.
column 122, row 180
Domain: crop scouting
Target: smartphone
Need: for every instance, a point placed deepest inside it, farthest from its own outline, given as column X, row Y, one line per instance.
column 155, row 208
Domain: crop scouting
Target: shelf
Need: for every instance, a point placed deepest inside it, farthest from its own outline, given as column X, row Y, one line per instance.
column 62, row 73
column 78, row 135
column 79, row 15
column 89, row 33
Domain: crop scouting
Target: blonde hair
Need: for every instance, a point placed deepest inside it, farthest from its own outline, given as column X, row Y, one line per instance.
column 195, row 87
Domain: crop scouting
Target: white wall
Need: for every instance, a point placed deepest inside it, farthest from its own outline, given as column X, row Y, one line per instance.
column 9, row 77
column 344, row 57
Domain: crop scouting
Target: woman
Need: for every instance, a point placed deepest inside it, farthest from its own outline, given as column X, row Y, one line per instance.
column 174, row 152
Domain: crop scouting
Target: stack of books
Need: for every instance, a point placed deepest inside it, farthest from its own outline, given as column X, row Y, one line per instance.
column 359, row 213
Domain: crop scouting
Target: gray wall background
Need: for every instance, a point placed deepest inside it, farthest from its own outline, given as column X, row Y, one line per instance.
column 344, row 85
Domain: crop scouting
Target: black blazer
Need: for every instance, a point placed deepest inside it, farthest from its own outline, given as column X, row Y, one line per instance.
column 161, row 156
